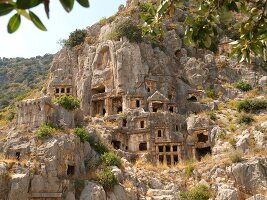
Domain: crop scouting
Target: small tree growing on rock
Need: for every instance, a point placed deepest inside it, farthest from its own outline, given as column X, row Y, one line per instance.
column 68, row 102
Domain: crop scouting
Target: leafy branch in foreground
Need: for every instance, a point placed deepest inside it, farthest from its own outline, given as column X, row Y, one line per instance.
column 22, row 8
column 205, row 19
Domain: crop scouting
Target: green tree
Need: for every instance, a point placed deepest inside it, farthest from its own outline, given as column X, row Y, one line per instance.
column 205, row 19
column 22, row 8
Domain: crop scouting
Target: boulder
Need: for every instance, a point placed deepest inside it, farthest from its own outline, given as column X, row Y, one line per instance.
column 4, row 180
column 243, row 141
column 93, row 191
column 250, row 175
column 226, row 194
column 263, row 81
column 19, row 187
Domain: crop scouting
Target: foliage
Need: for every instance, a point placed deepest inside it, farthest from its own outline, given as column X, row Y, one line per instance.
column 189, row 168
column 81, row 133
column 203, row 24
column 45, row 130
column 22, row 8
column 212, row 115
column 243, row 85
column 75, row 38
column 106, row 178
column 18, row 76
column 68, row 102
column 200, row 192
column 251, row 105
column 211, row 93
column 129, row 30
column 111, row 159
column 246, row 119
column 98, row 145
column 78, row 186
column 236, row 156
column 232, row 142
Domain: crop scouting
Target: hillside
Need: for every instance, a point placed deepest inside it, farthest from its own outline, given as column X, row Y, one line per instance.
column 128, row 117
column 20, row 75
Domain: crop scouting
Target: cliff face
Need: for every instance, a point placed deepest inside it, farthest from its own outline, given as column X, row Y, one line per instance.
column 156, row 107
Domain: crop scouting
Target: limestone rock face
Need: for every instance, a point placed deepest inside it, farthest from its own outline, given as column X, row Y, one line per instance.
column 93, row 191
column 263, row 81
column 4, row 180
column 251, row 175
column 196, row 122
column 19, row 187
column 226, row 194
column 243, row 141
column 257, row 197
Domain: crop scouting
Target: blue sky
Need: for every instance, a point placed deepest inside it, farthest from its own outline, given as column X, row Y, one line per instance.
column 29, row 41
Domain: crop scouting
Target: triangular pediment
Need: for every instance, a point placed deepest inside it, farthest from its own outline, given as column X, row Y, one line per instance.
column 157, row 96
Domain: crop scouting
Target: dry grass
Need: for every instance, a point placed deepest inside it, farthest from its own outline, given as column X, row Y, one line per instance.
column 128, row 184
column 140, row 163
column 252, row 93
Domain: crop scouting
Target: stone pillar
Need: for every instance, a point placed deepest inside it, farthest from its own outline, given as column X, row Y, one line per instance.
column 194, row 152
column 108, row 106
column 165, row 107
column 180, row 153
column 150, row 107
column 172, row 161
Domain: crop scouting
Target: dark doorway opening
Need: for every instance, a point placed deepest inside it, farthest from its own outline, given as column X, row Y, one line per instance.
column 171, row 109
column 192, row 98
column 116, row 144
column 119, row 109
column 174, row 148
column 137, row 103
column 159, row 133
column 143, row 146
column 169, row 159
column 70, row 170
column 202, row 138
column 160, row 148
column 124, row 122
column 168, row 148
column 17, row 155
column 175, row 159
column 201, row 152
column 142, row 124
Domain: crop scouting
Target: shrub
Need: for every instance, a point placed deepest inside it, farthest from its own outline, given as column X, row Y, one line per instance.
column 233, row 142
column 211, row 93
column 129, row 30
column 76, row 37
column 246, row 119
column 111, row 159
column 251, row 105
column 200, row 192
column 78, row 186
column 81, row 133
column 212, row 115
column 243, row 85
column 98, row 145
column 106, row 178
column 236, row 156
column 189, row 169
column 46, row 130
column 68, row 102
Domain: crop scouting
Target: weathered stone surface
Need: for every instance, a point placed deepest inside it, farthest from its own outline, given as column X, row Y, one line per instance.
column 243, row 141
column 263, row 81
column 93, row 191
column 251, row 175
column 258, row 197
column 19, row 187
column 4, row 180
column 227, row 194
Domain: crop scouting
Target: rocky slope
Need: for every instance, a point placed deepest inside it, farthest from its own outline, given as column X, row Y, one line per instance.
column 63, row 166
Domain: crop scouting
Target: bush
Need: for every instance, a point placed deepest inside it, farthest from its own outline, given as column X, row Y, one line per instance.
column 189, row 169
column 236, row 156
column 232, row 142
column 107, row 179
column 246, row 119
column 98, row 145
column 200, row 192
column 78, row 186
column 81, row 133
column 46, row 130
column 68, row 102
column 211, row 93
column 212, row 115
column 243, row 85
column 76, row 37
column 251, row 105
column 111, row 159
column 129, row 30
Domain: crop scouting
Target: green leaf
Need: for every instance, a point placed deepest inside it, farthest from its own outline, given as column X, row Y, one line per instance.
column 5, row 8
column 37, row 22
column 13, row 23
column 84, row 3
column 207, row 41
column 67, row 4
column 26, row 4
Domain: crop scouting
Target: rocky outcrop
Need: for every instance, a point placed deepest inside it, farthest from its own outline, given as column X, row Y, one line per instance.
column 93, row 191
column 250, row 176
